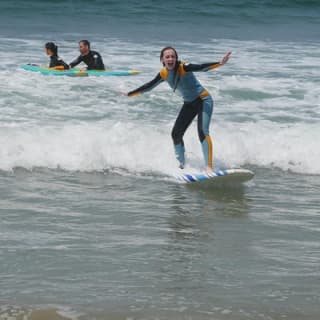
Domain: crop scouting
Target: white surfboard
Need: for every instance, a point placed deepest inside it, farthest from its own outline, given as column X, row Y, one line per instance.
column 226, row 176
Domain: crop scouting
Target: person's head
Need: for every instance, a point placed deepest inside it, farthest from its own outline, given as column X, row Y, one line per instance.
column 169, row 57
column 84, row 47
column 51, row 49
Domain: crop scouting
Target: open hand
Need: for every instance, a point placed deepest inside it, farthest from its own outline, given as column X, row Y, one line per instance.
column 225, row 58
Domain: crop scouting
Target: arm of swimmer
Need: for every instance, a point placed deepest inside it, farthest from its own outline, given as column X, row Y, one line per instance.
column 76, row 62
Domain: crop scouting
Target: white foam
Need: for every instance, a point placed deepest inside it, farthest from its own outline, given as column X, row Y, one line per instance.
column 144, row 149
column 266, row 109
column 289, row 147
column 87, row 147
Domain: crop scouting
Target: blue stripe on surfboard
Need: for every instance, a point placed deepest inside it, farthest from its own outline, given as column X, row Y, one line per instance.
column 189, row 177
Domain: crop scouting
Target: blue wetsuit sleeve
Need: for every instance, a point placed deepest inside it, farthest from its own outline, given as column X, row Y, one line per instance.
column 76, row 61
column 201, row 67
column 146, row 87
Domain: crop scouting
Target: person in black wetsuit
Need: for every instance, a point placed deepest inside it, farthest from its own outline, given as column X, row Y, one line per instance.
column 91, row 58
column 55, row 61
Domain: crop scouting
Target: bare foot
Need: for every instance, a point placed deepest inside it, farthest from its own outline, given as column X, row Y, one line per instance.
column 209, row 170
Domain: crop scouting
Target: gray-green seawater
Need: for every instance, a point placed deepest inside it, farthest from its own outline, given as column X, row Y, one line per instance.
column 96, row 245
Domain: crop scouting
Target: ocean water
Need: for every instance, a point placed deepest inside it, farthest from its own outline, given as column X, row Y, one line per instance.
column 92, row 223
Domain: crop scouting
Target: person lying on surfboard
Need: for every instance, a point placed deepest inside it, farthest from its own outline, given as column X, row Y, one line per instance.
column 55, row 61
column 197, row 100
column 91, row 58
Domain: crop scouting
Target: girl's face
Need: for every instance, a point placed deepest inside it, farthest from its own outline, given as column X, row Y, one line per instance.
column 48, row 52
column 169, row 59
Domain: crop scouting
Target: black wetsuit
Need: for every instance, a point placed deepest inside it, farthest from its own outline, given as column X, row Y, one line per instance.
column 93, row 60
column 56, row 61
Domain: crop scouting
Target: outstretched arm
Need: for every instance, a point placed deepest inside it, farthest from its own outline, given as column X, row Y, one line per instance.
column 146, row 87
column 207, row 66
column 76, row 61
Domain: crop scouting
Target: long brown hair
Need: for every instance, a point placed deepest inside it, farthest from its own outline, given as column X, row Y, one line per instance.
column 168, row 48
column 51, row 46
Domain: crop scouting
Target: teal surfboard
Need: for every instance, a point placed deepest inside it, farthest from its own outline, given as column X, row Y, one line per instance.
column 77, row 72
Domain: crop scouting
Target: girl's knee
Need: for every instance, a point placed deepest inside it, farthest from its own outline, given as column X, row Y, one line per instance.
column 176, row 136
